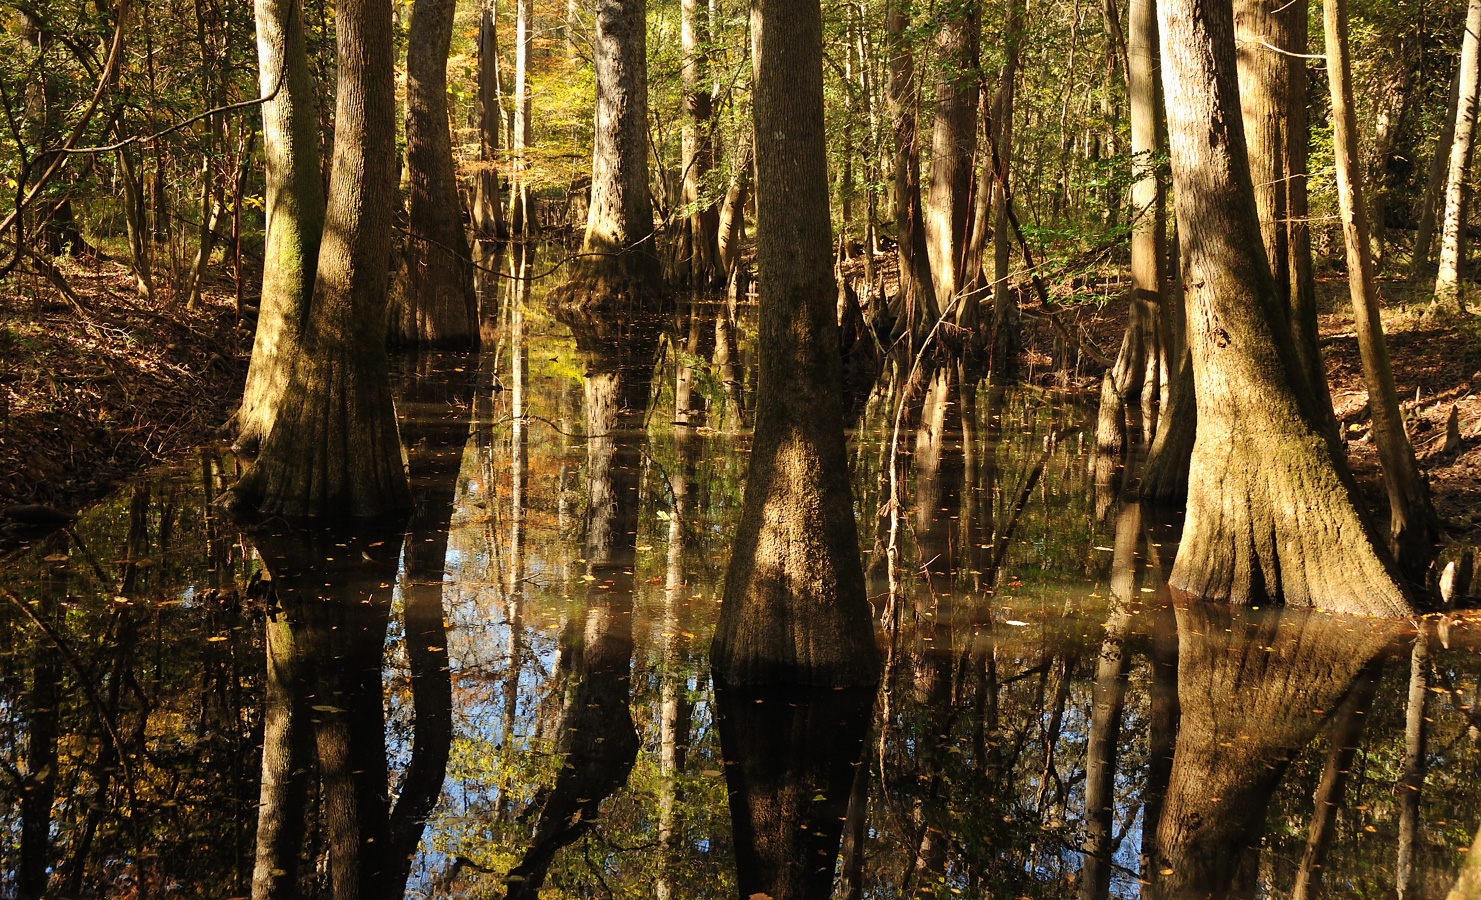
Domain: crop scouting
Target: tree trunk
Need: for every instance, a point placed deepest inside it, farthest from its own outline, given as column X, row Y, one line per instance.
column 700, row 265
column 1411, row 778
column 1272, row 96
column 334, row 449
column 294, row 213
column 953, row 149
column 524, row 46
column 287, row 761
column 1424, row 235
column 136, row 219
column 795, row 608
column 618, row 259
column 918, row 308
column 732, row 225
column 488, row 199
column 1448, row 301
column 1004, row 302
column 1271, row 510
column 436, row 306
column 1411, row 520
column 1390, row 109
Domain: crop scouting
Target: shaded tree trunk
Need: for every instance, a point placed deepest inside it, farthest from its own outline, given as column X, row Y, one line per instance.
column 795, row 608
column 953, row 149
column 435, row 306
column 1434, row 189
column 917, row 307
column 488, row 198
column 700, row 251
column 1271, row 508
column 1005, row 339
column 1411, row 520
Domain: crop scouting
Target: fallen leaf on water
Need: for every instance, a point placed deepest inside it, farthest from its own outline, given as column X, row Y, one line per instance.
column 1016, row 622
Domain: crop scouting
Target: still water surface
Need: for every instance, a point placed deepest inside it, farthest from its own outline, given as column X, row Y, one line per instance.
column 508, row 694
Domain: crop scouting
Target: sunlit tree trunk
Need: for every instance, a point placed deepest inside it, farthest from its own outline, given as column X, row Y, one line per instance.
column 524, row 46
column 1271, row 510
column 732, row 224
column 1448, row 301
column 1411, row 777
column 917, row 302
column 136, row 219
column 618, row 258
column 1434, row 189
column 701, row 259
column 436, row 306
column 795, row 608
column 1005, row 339
column 334, row 449
column 294, row 214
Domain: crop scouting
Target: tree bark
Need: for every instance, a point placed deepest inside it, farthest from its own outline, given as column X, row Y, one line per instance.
column 1411, row 520
column 732, row 224
column 917, row 304
column 524, row 46
column 436, row 306
column 334, row 449
column 700, row 264
column 488, row 198
column 1448, row 300
column 1411, row 778
column 1424, row 235
column 953, row 149
column 1271, row 508
column 1004, row 302
column 618, row 258
column 294, row 213
column 795, row 608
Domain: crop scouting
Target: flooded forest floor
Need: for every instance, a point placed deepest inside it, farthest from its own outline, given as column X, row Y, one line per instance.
column 97, row 387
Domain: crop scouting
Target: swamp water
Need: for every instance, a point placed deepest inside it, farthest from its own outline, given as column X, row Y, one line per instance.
column 508, row 693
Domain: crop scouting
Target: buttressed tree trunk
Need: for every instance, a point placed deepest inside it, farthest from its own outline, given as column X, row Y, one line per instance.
column 436, row 306
column 1271, row 508
column 295, row 213
column 617, row 253
column 795, row 608
column 334, row 449
column 917, row 300
column 953, row 149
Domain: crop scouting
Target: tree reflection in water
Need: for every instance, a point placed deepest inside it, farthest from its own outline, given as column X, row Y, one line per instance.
column 509, row 695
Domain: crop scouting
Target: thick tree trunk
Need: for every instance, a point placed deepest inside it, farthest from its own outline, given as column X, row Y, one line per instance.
column 1271, row 508
column 618, row 259
column 953, row 149
column 436, row 306
column 1448, row 301
column 334, row 449
column 795, row 608
column 918, row 309
column 732, row 224
column 1411, row 520
column 488, row 199
column 700, row 266
column 294, row 214
column 1272, row 96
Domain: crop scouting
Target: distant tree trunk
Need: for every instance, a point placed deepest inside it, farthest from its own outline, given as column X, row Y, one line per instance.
column 917, row 302
column 1272, row 95
column 1448, row 301
column 1271, row 508
column 1004, row 301
column 1411, row 520
column 700, row 264
column 137, row 221
column 795, row 608
column 294, row 214
column 732, row 225
column 1390, row 109
column 1424, row 235
column 436, row 306
column 488, row 199
column 618, row 259
column 953, row 149
column 334, row 449
column 524, row 46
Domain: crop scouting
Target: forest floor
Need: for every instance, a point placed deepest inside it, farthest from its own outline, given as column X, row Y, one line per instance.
column 96, row 387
